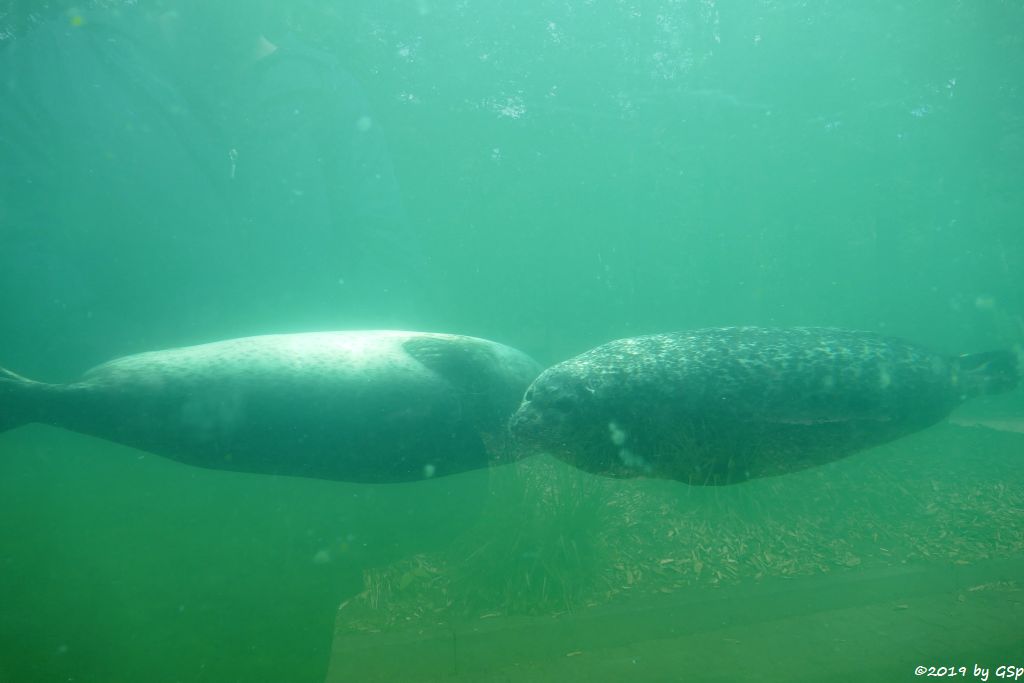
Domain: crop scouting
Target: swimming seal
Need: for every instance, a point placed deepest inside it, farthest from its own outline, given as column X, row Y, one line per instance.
column 360, row 406
column 724, row 405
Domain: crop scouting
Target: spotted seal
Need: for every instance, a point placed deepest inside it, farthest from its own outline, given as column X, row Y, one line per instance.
column 724, row 405
column 361, row 406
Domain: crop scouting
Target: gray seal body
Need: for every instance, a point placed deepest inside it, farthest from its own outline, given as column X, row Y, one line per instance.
column 724, row 405
column 361, row 406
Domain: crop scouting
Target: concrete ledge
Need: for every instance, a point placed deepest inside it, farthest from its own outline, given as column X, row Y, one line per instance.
column 859, row 626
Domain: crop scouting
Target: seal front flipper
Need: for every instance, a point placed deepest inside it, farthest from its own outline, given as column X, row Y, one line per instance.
column 487, row 381
column 461, row 364
column 489, row 378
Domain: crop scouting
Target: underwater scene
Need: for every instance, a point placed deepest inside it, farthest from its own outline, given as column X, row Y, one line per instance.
column 588, row 340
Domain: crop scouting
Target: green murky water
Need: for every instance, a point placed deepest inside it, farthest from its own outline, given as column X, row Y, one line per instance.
column 551, row 175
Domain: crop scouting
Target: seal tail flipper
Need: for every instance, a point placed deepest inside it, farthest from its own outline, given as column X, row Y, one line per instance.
column 991, row 372
column 17, row 398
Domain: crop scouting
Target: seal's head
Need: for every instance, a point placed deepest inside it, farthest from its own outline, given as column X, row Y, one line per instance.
column 553, row 409
column 566, row 413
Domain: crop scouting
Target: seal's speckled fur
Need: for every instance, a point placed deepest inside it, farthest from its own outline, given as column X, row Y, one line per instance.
column 367, row 406
column 723, row 405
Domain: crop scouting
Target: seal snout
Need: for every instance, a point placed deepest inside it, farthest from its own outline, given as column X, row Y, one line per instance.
column 524, row 422
column 548, row 407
